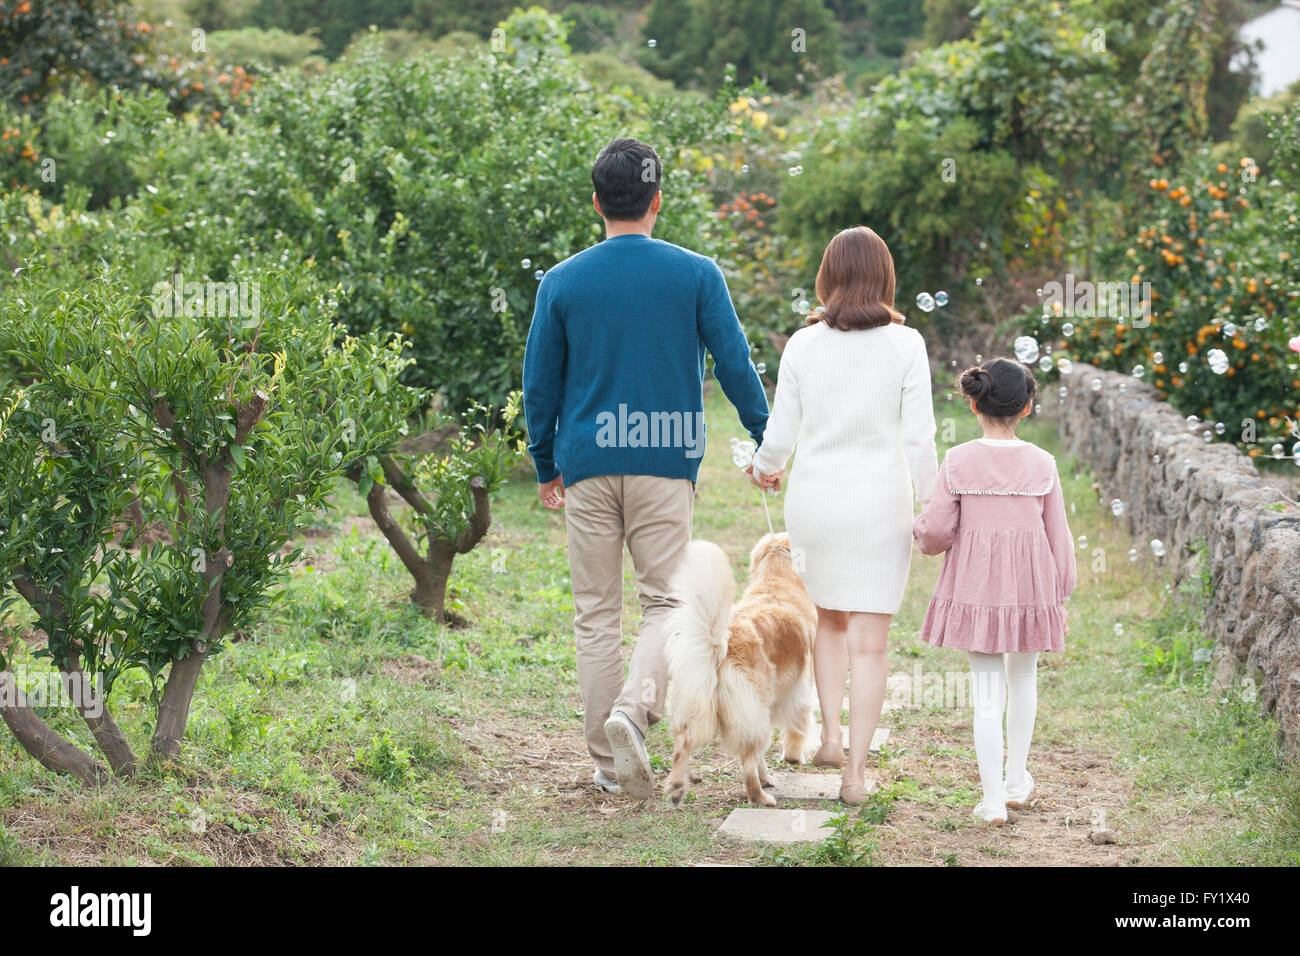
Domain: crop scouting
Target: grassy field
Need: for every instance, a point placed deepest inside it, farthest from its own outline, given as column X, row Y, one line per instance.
column 348, row 730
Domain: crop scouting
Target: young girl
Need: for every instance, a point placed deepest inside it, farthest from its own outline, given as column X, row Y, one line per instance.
column 998, row 512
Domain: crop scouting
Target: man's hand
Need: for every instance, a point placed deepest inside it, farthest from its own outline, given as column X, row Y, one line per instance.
column 552, row 494
column 766, row 482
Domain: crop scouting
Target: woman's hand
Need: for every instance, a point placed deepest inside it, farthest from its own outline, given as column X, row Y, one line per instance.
column 766, row 482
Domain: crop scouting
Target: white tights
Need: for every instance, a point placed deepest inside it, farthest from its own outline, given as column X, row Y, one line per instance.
column 1013, row 678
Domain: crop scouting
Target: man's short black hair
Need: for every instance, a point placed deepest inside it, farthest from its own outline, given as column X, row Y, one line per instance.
column 626, row 176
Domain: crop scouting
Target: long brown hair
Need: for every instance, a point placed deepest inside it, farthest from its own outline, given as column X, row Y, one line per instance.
column 855, row 283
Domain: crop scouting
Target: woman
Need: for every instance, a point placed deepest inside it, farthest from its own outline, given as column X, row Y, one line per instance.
column 854, row 393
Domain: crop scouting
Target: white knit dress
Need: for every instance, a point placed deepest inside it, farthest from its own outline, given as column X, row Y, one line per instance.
column 859, row 406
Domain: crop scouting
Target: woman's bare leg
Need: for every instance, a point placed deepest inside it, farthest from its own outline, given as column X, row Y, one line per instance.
column 867, row 640
column 831, row 667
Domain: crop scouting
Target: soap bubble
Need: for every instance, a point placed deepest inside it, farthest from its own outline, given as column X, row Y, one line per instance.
column 761, row 367
column 1158, row 358
column 802, row 307
column 744, row 167
column 979, row 281
column 538, row 274
column 526, row 264
column 1062, row 391
column 1207, row 436
column 925, row 302
column 1157, row 547
column 1116, row 507
column 742, row 452
column 1123, row 387
column 652, row 43
column 1067, row 329
column 1065, row 365
column 1277, row 451
column 1027, row 349
column 1119, row 628
column 1182, row 367
column 1218, row 360
column 796, row 170
column 1220, row 428
column 1132, row 554
column 1139, row 371
column 1096, row 385
column 941, row 299
column 1155, row 459
column 953, row 363
column 1229, row 329
column 1045, row 363
column 1192, row 423
column 1083, row 541
column 1038, row 409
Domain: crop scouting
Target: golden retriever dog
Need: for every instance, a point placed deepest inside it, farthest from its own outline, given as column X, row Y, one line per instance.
column 738, row 671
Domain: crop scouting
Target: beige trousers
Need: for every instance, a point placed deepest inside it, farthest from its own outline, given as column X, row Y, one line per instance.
column 652, row 516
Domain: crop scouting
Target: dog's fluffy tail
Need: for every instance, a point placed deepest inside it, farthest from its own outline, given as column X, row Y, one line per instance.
column 697, row 639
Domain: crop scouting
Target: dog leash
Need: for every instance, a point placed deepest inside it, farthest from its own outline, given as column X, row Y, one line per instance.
column 766, row 511
column 742, row 456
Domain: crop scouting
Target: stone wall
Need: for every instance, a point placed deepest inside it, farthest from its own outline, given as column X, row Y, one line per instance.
column 1187, row 493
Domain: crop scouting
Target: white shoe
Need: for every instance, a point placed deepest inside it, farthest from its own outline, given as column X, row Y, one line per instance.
column 604, row 783
column 985, row 813
column 631, row 762
column 1017, row 797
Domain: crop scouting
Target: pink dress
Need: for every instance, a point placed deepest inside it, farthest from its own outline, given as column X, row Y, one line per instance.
column 998, row 511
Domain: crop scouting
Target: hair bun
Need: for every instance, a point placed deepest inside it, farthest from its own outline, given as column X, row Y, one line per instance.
column 976, row 382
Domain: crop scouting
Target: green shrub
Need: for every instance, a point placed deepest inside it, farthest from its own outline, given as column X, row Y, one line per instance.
column 1217, row 243
column 217, row 427
column 431, row 192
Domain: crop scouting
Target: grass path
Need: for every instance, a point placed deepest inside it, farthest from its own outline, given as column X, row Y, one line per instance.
column 349, row 730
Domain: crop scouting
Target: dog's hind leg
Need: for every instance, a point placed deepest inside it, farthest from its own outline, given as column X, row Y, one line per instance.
column 800, row 726
column 763, row 779
column 679, row 777
column 751, row 764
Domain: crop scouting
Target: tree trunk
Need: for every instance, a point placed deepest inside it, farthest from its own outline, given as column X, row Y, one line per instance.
column 40, row 740
column 432, row 569
column 94, row 710
column 174, row 708
column 430, row 593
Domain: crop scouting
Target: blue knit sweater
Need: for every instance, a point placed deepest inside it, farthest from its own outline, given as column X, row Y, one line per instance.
column 614, row 365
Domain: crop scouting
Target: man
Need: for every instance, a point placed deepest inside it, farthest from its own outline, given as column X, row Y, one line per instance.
column 613, row 395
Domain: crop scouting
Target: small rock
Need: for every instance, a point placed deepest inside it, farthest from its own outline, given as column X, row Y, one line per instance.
column 1102, row 836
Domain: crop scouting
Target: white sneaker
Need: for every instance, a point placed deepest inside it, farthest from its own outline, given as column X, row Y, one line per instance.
column 631, row 762
column 985, row 813
column 604, row 783
column 1017, row 797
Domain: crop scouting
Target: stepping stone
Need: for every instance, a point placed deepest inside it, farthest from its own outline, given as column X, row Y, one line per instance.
column 812, row 786
column 761, row 825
